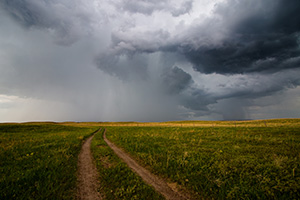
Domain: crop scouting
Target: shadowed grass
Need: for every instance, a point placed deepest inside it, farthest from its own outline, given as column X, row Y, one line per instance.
column 39, row 161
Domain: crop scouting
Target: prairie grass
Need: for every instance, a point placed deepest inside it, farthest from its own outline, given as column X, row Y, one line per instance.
column 237, row 162
column 257, row 159
column 39, row 160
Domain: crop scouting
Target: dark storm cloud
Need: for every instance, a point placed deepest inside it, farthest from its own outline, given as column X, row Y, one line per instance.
column 260, row 85
column 176, row 80
column 239, row 96
column 266, row 38
column 197, row 99
column 244, row 55
column 240, row 37
column 234, row 109
column 125, row 67
column 63, row 19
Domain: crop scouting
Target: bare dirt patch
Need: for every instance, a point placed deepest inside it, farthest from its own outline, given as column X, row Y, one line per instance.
column 87, row 174
column 159, row 184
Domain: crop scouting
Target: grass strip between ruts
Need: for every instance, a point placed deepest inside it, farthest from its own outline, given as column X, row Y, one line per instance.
column 117, row 181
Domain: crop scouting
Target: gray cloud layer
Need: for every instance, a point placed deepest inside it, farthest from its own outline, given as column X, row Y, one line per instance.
column 148, row 7
column 241, row 37
column 171, row 59
column 63, row 19
column 266, row 39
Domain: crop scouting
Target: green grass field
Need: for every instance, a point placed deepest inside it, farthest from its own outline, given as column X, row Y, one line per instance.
column 235, row 162
column 117, row 181
column 39, row 160
column 211, row 160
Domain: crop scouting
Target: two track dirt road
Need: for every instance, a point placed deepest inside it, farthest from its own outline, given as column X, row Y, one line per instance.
column 88, row 174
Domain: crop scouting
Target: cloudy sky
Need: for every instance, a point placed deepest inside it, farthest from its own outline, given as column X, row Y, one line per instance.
column 149, row 60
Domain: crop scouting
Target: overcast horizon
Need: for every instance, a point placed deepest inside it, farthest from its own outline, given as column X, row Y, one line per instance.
column 149, row 60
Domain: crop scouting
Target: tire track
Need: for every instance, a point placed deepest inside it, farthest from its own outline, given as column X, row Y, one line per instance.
column 87, row 173
column 159, row 184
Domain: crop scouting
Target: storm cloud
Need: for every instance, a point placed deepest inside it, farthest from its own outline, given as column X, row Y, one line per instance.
column 148, row 60
column 266, row 38
column 240, row 37
column 67, row 21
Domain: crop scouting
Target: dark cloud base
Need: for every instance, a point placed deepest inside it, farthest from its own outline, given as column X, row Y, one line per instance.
column 265, row 41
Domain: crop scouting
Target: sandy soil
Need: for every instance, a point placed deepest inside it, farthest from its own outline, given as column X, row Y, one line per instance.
column 159, row 184
column 87, row 174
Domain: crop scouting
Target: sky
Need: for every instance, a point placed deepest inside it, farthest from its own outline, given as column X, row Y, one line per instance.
column 149, row 60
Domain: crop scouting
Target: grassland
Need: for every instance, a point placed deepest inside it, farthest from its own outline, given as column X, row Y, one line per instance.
column 39, row 160
column 241, row 160
column 117, row 181
column 212, row 160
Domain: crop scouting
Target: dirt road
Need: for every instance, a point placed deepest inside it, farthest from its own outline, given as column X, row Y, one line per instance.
column 160, row 185
column 87, row 174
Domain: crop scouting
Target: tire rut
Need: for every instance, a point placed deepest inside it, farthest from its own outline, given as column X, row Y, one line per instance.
column 159, row 184
column 87, row 173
